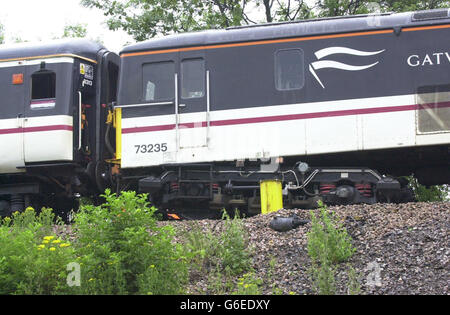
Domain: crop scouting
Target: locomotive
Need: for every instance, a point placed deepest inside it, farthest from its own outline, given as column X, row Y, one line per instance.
column 337, row 109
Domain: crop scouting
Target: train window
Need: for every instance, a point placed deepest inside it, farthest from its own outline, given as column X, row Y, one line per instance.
column 289, row 69
column 192, row 78
column 43, row 85
column 433, row 115
column 158, row 81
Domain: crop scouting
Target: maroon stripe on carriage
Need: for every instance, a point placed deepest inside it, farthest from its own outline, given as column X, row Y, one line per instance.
column 36, row 129
column 254, row 120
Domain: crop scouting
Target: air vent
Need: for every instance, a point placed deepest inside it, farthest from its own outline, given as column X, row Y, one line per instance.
column 431, row 15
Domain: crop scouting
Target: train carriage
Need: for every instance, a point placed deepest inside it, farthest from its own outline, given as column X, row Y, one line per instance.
column 51, row 118
column 358, row 96
column 335, row 109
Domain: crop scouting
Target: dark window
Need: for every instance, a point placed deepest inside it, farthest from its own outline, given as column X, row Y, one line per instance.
column 113, row 75
column 192, row 78
column 158, row 81
column 43, row 85
column 289, row 70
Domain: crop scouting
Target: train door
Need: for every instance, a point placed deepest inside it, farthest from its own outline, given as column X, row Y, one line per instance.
column 11, row 117
column 193, row 105
column 149, row 123
column 47, row 120
column 86, row 106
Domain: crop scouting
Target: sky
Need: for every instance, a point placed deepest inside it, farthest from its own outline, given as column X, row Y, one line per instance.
column 34, row 20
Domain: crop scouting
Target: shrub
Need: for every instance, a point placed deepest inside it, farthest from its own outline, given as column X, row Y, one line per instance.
column 123, row 251
column 323, row 277
column 234, row 252
column 353, row 286
column 428, row 194
column 328, row 238
column 227, row 250
column 328, row 244
column 32, row 259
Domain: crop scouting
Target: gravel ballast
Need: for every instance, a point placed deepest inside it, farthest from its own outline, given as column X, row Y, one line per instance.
column 400, row 249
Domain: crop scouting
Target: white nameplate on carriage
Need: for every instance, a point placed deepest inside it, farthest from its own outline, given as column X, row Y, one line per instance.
column 42, row 104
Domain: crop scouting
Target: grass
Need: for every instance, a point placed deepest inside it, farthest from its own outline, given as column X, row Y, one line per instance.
column 329, row 245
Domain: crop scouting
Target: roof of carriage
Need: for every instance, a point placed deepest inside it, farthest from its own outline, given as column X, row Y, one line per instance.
column 313, row 27
column 65, row 47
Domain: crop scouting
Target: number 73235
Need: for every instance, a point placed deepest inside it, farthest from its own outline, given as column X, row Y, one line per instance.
column 151, row 148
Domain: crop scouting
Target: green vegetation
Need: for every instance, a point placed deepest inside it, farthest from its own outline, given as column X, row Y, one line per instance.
column 144, row 19
column 119, row 248
column 428, row 194
column 328, row 245
column 223, row 251
column 75, row 31
column 2, row 33
column 223, row 255
column 328, row 239
column 353, row 286
column 32, row 259
column 123, row 251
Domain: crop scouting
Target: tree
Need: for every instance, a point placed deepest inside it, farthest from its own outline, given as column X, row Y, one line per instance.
column 2, row 34
column 412, row 5
column 144, row 19
column 78, row 31
column 328, row 8
column 75, row 31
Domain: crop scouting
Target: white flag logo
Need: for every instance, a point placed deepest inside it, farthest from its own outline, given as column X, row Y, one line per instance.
column 324, row 64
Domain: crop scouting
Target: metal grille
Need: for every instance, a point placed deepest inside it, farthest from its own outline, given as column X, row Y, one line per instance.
column 431, row 15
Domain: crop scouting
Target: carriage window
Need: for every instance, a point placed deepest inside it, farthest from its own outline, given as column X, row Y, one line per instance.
column 432, row 114
column 158, row 79
column 43, row 85
column 192, row 78
column 289, row 73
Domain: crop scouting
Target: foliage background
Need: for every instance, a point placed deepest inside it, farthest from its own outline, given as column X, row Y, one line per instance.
column 144, row 19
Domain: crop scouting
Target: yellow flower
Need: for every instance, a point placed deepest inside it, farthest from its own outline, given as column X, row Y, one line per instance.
column 45, row 242
column 49, row 238
column 65, row 245
column 292, row 293
column 56, row 241
column 41, row 246
column 52, row 249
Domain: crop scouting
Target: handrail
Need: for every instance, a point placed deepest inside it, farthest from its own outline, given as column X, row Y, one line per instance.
column 177, row 134
column 79, row 119
column 208, row 109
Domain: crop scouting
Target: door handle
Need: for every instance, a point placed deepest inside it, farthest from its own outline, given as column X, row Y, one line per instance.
column 19, row 123
column 182, row 105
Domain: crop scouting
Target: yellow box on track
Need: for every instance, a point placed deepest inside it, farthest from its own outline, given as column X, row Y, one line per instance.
column 271, row 196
